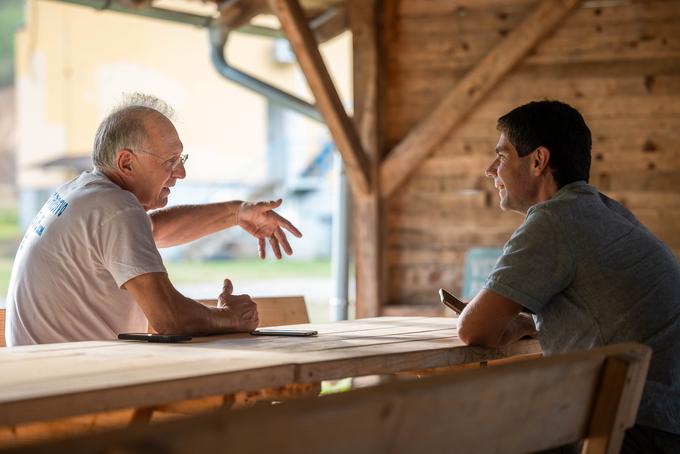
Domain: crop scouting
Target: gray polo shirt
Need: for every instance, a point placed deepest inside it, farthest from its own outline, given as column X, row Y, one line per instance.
column 594, row 275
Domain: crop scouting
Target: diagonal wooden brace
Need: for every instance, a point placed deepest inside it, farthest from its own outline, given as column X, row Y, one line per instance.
column 469, row 92
column 295, row 27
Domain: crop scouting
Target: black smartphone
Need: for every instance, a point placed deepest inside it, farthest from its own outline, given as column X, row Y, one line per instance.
column 451, row 301
column 457, row 305
column 283, row 332
column 152, row 337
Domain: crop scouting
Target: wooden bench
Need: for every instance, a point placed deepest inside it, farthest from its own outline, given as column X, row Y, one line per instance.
column 522, row 407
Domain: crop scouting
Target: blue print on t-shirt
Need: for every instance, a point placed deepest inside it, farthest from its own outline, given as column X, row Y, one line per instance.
column 56, row 205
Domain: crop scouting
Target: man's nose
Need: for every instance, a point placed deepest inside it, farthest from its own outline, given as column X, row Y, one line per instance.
column 491, row 170
column 180, row 171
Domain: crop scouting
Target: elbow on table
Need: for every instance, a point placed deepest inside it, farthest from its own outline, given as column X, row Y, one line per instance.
column 169, row 329
column 172, row 325
column 470, row 334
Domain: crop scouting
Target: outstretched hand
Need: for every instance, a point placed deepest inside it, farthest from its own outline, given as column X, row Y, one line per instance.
column 260, row 220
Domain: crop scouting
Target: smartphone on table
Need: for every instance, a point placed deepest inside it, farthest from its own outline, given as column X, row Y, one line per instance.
column 457, row 305
column 451, row 301
column 283, row 332
column 153, row 337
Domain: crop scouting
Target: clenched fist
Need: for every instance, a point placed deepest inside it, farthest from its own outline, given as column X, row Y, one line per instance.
column 242, row 308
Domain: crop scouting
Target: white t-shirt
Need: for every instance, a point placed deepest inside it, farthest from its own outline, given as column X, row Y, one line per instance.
column 89, row 239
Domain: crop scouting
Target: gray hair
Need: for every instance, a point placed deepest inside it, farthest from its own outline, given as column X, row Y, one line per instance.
column 124, row 127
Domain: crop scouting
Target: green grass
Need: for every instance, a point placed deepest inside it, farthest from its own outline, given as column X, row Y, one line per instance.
column 11, row 18
column 182, row 272
column 187, row 272
column 200, row 272
column 9, row 225
column 5, row 271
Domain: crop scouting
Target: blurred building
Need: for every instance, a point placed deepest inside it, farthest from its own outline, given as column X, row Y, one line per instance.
column 74, row 63
column 7, row 145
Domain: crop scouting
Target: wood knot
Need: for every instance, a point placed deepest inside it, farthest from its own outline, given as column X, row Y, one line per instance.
column 649, row 146
column 649, row 83
column 386, row 411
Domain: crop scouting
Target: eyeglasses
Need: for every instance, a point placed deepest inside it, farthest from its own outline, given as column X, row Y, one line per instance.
column 171, row 164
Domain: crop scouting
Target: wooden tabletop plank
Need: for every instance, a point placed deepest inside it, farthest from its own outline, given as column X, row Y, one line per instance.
column 419, row 354
column 58, row 405
column 58, row 380
column 326, row 340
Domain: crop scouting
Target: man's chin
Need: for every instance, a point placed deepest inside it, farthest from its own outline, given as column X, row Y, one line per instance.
column 160, row 203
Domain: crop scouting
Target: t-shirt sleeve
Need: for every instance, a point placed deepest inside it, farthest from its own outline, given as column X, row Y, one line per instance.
column 127, row 247
column 537, row 263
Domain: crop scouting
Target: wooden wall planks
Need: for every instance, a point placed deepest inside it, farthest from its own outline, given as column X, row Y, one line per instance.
column 619, row 64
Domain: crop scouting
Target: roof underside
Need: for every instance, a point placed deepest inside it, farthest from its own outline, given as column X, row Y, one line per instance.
column 327, row 18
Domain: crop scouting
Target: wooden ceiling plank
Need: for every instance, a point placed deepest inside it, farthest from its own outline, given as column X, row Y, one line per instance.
column 296, row 29
column 469, row 92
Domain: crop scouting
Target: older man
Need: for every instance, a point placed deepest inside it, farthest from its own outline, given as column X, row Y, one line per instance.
column 89, row 268
column 588, row 269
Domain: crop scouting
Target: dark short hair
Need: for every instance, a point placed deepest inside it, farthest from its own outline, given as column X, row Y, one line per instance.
column 556, row 126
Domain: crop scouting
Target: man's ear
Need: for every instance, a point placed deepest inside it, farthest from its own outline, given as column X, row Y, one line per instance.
column 124, row 159
column 540, row 160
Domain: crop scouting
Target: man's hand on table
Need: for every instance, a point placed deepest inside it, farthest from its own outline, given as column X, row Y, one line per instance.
column 525, row 325
column 260, row 220
column 242, row 308
column 492, row 320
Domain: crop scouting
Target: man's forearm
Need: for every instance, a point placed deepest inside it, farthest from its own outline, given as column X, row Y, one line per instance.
column 185, row 223
column 194, row 319
column 170, row 312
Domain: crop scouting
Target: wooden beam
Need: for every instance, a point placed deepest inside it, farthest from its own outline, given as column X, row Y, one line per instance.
column 294, row 25
column 469, row 92
column 329, row 24
column 236, row 13
column 367, row 209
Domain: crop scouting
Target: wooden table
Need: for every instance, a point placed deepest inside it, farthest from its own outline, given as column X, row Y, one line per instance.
column 60, row 380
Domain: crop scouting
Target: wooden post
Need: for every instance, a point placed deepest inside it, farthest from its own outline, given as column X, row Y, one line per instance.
column 368, row 103
column 296, row 29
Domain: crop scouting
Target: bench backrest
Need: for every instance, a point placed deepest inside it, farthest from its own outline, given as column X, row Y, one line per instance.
column 512, row 408
column 277, row 310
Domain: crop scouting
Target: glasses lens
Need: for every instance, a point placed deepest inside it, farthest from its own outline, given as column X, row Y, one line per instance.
column 180, row 160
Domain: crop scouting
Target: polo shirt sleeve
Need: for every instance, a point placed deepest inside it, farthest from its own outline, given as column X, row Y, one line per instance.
column 127, row 247
column 537, row 263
